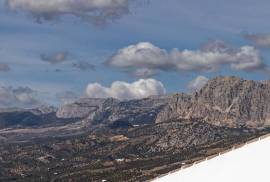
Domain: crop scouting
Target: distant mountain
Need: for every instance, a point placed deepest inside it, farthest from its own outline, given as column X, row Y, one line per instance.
column 108, row 111
column 223, row 101
column 42, row 116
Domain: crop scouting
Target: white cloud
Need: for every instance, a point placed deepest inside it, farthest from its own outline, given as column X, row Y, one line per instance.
column 197, row 83
column 247, row 59
column 213, row 55
column 123, row 90
column 97, row 11
column 18, row 97
column 141, row 55
column 262, row 40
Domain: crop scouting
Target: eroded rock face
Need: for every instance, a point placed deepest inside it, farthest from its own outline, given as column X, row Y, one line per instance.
column 224, row 101
column 178, row 105
column 234, row 101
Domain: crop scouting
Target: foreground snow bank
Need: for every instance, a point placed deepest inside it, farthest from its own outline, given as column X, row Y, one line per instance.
column 248, row 164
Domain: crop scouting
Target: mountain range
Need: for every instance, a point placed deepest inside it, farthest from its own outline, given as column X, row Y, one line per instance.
column 95, row 139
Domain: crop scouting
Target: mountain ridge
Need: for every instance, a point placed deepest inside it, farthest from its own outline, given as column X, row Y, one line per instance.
column 223, row 101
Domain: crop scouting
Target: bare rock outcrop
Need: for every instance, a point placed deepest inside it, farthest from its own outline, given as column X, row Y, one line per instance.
column 224, row 101
column 178, row 105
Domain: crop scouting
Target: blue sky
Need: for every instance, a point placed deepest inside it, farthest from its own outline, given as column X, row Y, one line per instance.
column 181, row 24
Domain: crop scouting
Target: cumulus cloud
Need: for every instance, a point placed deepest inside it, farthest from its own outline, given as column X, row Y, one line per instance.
column 197, row 83
column 145, row 58
column 18, row 97
column 261, row 40
column 4, row 67
column 96, row 11
column 84, row 66
column 123, row 90
column 141, row 55
column 55, row 58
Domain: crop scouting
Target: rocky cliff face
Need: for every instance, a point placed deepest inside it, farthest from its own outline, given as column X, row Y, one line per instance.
column 224, row 101
column 178, row 107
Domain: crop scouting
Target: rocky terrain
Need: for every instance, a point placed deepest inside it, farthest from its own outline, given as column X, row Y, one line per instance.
column 108, row 111
column 134, row 140
column 224, row 101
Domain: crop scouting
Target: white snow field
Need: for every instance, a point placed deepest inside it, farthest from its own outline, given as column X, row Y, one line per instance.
column 250, row 163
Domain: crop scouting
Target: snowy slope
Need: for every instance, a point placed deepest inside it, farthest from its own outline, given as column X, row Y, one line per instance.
column 251, row 163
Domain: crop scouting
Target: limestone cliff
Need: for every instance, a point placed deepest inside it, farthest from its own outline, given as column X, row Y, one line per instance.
column 224, row 101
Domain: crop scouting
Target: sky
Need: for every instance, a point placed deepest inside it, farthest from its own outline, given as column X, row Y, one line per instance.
column 53, row 52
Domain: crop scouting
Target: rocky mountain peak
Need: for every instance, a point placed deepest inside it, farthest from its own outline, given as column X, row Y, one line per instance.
column 225, row 101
